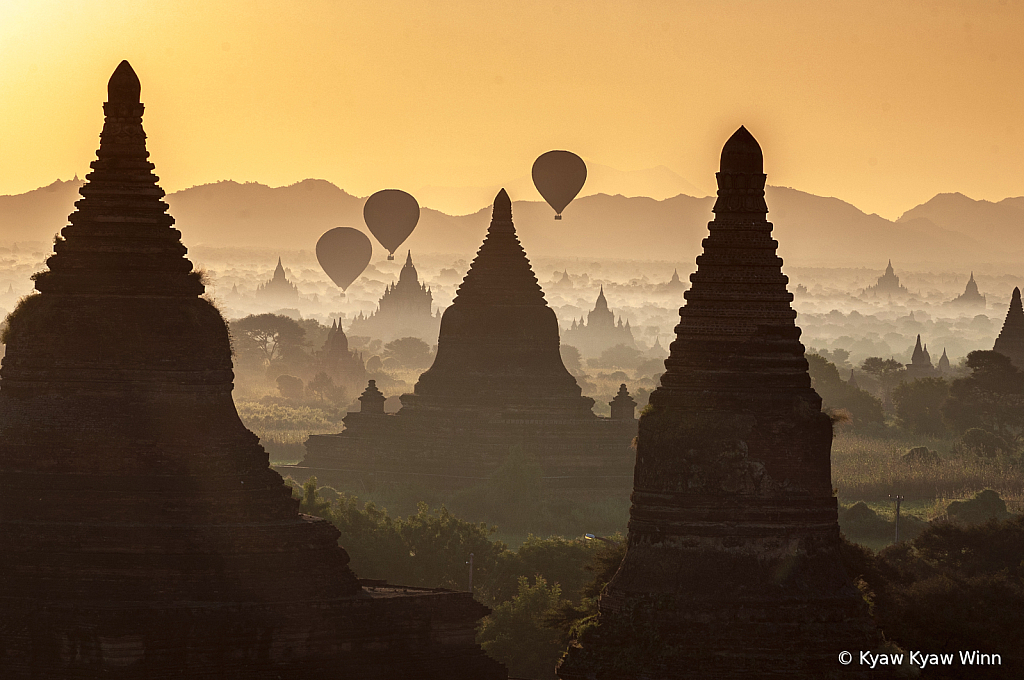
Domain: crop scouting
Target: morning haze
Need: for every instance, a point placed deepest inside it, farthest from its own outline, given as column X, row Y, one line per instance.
column 511, row 341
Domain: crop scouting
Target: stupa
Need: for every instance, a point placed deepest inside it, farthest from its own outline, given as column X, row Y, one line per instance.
column 971, row 297
column 342, row 364
column 600, row 331
column 887, row 284
column 920, row 365
column 943, row 367
column 405, row 310
column 278, row 290
column 732, row 566
column 142, row 533
column 1011, row 339
column 497, row 382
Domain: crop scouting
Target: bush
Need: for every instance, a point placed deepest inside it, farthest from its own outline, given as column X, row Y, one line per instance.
column 986, row 505
column 516, row 634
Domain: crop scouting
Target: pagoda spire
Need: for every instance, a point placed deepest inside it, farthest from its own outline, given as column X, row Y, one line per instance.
column 1011, row 338
column 733, row 537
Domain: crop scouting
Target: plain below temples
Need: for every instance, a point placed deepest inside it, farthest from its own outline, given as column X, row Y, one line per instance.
column 142, row 532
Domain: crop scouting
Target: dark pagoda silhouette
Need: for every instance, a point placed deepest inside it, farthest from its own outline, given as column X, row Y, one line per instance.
column 278, row 290
column 343, row 365
column 142, row 533
column 1010, row 342
column 920, row 365
column 600, row 331
column 887, row 284
column 497, row 382
column 405, row 310
column 732, row 563
column 971, row 297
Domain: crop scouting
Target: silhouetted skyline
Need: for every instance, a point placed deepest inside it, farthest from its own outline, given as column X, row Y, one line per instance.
column 882, row 104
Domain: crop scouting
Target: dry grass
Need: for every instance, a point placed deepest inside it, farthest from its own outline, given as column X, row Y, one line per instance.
column 870, row 469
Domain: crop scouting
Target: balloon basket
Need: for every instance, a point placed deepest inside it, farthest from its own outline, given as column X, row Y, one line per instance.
column 558, row 217
column 391, row 257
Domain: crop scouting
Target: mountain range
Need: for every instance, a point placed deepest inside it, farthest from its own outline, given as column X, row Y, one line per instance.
column 950, row 229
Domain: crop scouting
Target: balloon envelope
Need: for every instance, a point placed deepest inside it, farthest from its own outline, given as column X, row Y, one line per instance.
column 343, row 253
column 391, row 215
column 559, row 176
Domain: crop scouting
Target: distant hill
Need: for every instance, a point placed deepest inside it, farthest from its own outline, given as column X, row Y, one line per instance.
column 996, row 225
column 812, row 230
column 38, row 214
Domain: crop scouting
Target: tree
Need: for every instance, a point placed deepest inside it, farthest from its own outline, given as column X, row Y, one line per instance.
column 991, row 398
column 516, row 635
column 271, row 334
column 889, row 373
column 836, row 393
column 619, row 356
column 571, row 359
column 323, row 388
column 410, row 352
column 918, row 405
column 290, row 386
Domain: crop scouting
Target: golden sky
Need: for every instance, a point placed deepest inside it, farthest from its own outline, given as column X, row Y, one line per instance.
column 881, row 103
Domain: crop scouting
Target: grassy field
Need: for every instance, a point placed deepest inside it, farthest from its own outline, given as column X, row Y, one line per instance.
column 870, row 469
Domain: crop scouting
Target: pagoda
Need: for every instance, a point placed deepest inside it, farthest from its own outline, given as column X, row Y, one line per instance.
column 943, row 367
column 971, row 297
column 600, row 331
column 342, row 364
column 405, row 310
column 497, row 382
column 732, row 560
column 920, row 365
column 278, row 290
column 887, row 284
column 1011, row 339
column 142, row 532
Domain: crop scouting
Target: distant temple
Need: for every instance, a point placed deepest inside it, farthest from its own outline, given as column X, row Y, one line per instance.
column 920, row 365
column 888, row 284
column 564, row 283
column 733, row 566
column 143, row 534
column 943, row 366
column 600, row 332
column 1011, row 338
column 674, row 286
column 338, row 361
column 497, row 383
column 970, row 297
column 405, row 309
column 278, row 290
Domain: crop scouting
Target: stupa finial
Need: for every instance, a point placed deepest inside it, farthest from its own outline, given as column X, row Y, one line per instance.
column 124, row 86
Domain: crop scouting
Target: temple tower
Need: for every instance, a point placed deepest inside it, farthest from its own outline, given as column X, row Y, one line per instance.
column 142, row 532
column 498, row 344
column 278, row 290
column 1011, row 338
column 732, row 567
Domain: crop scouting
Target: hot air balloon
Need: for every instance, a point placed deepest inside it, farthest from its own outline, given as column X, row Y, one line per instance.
column 559, row 176
column 343, row 253
column 391, row 215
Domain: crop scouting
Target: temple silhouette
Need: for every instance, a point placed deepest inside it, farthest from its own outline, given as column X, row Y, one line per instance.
column 971, row 297
column 278, row 290
column 920, row 365
column 404, row 310
column 732, row 562
column 887, row 284
column 497, row 383
column 343, row 365
column 1010, row 342
column 600, row 331
column 142, row 533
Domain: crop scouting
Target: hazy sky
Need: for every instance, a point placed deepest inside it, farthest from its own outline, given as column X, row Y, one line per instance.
column 882, row 104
